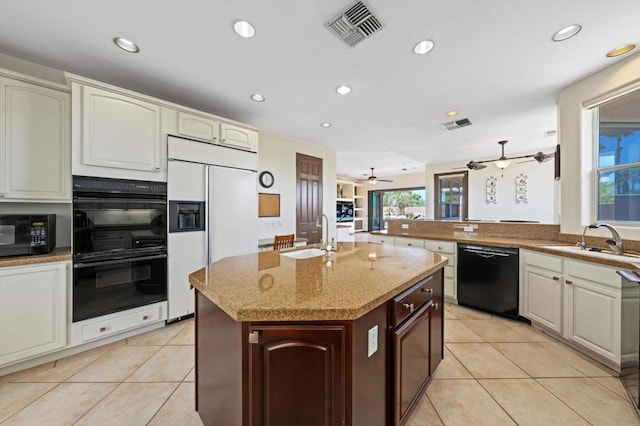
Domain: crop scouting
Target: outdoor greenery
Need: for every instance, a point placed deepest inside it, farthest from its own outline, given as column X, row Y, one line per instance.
column 401, row 200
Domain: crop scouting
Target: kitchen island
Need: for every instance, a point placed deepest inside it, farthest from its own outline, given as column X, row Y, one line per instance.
column 350, row 338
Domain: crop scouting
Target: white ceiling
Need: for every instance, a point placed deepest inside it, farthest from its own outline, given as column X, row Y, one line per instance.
column 493, row 61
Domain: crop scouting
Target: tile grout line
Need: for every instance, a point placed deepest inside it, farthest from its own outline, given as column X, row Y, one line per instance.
column 561, row 400
column 32, row 402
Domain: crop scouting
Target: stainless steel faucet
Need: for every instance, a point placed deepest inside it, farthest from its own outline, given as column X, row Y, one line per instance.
column 615, row 243
column 324, row 244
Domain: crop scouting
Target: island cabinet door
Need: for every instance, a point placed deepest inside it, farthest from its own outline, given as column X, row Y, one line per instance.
column 437, row 320
column 297, row 375
column 411, row 363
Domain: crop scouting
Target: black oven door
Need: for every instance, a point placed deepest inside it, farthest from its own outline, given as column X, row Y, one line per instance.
column 101, row 288
column 118, row 226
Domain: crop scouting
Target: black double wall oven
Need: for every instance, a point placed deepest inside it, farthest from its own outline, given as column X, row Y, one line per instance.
column 119, row 245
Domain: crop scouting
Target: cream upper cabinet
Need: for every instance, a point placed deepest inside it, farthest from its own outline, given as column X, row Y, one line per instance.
column 34, row 142
column 118, row 131
column 238, row 137
column 198, row 127
column 541, row 289
column 33, row 310
column 208, row 129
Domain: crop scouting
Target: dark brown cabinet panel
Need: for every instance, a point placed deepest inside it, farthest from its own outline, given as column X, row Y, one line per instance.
column 297, row 375
column 411, row 369
column 437, row 321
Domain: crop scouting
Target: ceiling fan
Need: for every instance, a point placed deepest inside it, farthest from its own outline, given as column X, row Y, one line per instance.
column 373, row 180
column 504, row 161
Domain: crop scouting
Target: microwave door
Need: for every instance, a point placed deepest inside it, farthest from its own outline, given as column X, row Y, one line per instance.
column 15, row 238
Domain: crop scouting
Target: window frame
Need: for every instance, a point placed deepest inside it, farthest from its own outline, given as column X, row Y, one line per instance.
column 596, row 170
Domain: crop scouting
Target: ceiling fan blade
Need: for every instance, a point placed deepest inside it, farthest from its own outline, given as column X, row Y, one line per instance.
column 384, row 180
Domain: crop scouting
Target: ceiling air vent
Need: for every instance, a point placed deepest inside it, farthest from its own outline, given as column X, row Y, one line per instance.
column 355, row 24
column 452, row 125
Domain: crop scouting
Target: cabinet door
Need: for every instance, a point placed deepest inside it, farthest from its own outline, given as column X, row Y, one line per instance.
column 409, row 242
column 382, row 239
column 543, row 297
column 594, row 317
column 34, row 142
column 237, row 137
column 437, row 322
column 198, row 127
column 411, row 362
column 119, row 131
column 297, row 375
column 33, row 301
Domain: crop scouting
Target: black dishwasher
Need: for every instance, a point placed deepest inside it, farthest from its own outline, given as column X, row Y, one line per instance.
column 488, row 279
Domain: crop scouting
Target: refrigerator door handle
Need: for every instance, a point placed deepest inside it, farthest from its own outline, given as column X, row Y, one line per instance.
column 207, row 226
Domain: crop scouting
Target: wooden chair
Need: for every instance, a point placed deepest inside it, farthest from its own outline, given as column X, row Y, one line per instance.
column 283, row 241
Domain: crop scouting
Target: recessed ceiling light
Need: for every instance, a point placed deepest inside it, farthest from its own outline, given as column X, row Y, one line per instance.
column 244, row 29
column 621, row 50
column 257, row 97
column 343, row 90
column 566, row 32
column 452, row 113
column 127, row 45
column 325, row 125
column 425, row 46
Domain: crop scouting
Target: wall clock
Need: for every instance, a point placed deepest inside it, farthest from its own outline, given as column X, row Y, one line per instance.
column 266, row 179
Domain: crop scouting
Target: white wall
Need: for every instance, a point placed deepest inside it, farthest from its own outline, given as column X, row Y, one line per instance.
column 277, row 154
column 541, row 190
column 577, row 146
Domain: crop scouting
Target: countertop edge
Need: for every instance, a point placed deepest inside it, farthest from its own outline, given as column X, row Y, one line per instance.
column 62, row 254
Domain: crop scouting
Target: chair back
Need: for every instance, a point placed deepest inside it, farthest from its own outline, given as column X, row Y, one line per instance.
column 283, row 241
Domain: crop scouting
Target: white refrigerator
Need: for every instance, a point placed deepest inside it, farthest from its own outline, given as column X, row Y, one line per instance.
column 223, row 179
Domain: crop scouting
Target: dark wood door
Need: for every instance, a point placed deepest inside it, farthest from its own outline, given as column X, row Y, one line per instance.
column 297, row 375
column 437, row 321
column 308, row 197
column 411, row 364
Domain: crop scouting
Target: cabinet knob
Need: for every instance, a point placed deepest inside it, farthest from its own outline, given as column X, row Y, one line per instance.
column 436, row 306
column 1, row 195
column 426, row 290
column 556, row 278
column 145, row 317
column 439, row 247
column 568, row 282
column 103, row 329
column 409, row 306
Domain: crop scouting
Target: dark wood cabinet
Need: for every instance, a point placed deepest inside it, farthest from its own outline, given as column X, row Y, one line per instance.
column 437, row 321
column 297, row 375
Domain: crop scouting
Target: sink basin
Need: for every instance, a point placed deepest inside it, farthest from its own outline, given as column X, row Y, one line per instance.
column 304, row 254
column 596, row 254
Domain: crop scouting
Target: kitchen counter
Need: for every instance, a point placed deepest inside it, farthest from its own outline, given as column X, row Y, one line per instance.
column 354, row 280
column 542, row 245
column 59, row 254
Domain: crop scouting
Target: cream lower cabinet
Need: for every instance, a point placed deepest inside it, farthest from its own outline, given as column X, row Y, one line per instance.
column 33, row 310
column 541, row 291
column 35, row 142
column 382, row 239
column 448, row 250
column 585, row 303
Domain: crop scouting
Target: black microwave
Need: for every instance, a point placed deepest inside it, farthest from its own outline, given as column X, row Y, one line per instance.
column 27, row 234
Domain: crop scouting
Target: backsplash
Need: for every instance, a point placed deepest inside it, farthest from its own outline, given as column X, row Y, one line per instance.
column 473, row 229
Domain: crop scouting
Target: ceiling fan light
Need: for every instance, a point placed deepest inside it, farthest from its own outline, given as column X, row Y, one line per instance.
column 502, row 164
column 373, row 181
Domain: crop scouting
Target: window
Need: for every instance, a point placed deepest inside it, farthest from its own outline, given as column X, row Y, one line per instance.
column 395, row 204
column 450, row 196
column 617, row 171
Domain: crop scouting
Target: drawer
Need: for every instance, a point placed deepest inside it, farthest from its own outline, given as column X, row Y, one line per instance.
column 115, row 325
column 544, row 261
column 442, row 246
column 409, row 242
column 412, row 299
column 381, row 239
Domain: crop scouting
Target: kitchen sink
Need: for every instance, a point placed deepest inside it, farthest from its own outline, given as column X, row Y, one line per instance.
column 304, row 254
column 604, row 254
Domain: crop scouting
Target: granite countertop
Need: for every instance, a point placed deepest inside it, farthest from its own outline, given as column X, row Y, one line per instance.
column 354, row 280
column 545, row 246
column 59, row 254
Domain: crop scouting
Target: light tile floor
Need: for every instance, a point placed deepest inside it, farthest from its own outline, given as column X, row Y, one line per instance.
column 494, row 372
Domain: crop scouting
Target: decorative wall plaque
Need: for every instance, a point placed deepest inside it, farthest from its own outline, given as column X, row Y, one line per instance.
column 491, row 190
column 521, row 189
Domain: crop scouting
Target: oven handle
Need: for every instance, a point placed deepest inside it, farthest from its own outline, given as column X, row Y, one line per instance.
column 112, row 262
column 118, row 200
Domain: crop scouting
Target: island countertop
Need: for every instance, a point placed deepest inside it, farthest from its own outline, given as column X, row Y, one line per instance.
column 345, row 285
